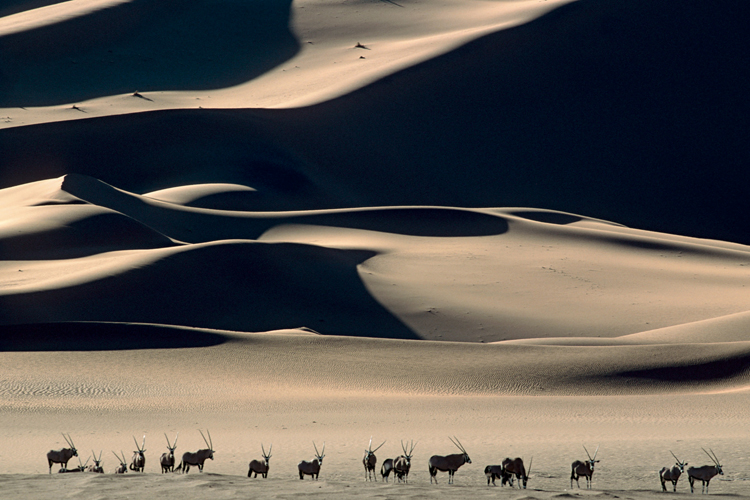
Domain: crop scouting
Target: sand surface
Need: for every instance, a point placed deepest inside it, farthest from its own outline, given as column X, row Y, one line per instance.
column 520, row 223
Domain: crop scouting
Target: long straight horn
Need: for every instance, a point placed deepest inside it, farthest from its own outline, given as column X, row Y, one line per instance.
column 381, row 445
column 528, row 472
column 176, row 438
column 269, row 449
column 117, row 456
column 100, row 455
column 403, row 447
column 263, row 449
column 587, row 452
column 369, row 446
column 169, row 445
column 317, row 453
column 675, row 457
column 66, row 439
column 458, row 443
column 412, row 446
column 709, row 456
column 210, row 441
column 204, row 438
column 715, row 457
column 323, row 453
column 143, row 445
column 596, row 452
column 136, row 444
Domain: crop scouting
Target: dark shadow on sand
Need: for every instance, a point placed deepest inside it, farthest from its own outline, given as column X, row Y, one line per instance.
column 81, row 336
column 145, row 45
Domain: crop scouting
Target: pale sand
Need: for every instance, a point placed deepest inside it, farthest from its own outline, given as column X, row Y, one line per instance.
column 339, row 269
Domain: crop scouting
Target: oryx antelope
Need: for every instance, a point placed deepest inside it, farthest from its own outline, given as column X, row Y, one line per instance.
column 167, row 459
column 497, row 471
column 81, row 467
column 402, row 464
column 370, row 461
column 199, row 457
column 258, row 467
column 516, row 468
column 449, row 464
column 123, row 467
column 63, row 455
column 97, row 466
column 585, row 469
column 704, row 473
column 672, row 474
column 138, row 462
column 312, row 468
column 386, row 468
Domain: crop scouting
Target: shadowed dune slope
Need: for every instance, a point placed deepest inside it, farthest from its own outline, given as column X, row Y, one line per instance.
column 627, row 111
column 144, row 45
column 226, row 285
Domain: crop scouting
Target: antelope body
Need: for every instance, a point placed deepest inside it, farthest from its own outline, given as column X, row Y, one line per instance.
column 704, row 473
column 672, row 474
column 97, row 467
column 81, row 467
column 312, row 468
column 138, row 462
column 167, row 459
column 449, row 464
column 199, row 457
column 123, row 468
column 516, row 468
column 386, row 468
column 370, row 461
column 585, row 469
column 63, row 455
column 258, row 467
column 402, row 464
column 497, row 471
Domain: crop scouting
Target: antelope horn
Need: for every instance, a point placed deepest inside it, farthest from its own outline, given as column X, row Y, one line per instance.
column 100, row 455
column 136, row 444
column 596, row 452
column 316, row 449
column 269, row 450
column 403, row 447
column 262, row 449
column 169, row 445
column 210, row 441
column 204, row 438
column 587, row 452
column 143, row 445
column 715, row 457
column 369, row 446
column 66, row 439
column 175, row 439
column 376, row 449
column 413, row 445
column 118, row 457
column 528, row 472
column 460, row 445
column 709, row 456
column 675, row 457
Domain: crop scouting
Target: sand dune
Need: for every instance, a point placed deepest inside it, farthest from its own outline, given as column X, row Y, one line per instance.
column 520, row 223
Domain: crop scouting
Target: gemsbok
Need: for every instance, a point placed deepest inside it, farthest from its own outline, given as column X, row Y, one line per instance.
column 312, row 468
column 672, row 474
column 704, row 473
column 402, row 464
column 138, row 462
column 449, row 464
column 199, row 457
column 97, row 466
column 123, row 467
column 62, row 456
column 585, row 469
column 167, row 459
column 516, row 468
column 497, row 471
column 370, row 461
column 386, row 468
column 258, row 467
column 81, row 467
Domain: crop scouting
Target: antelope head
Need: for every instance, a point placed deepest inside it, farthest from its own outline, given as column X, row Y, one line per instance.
column 82, row 467
column 369, row 451
column 266, row 456
column 123, row 462
column 525, row 478
column 142, row 448
column 171, row 446
column 69, row 440
column 680, row 465
column 592, row 461
column 209, row 443
column 319, row 455
column 460, row 447
column 408, row 454
column 714, row 459
column 97, row 461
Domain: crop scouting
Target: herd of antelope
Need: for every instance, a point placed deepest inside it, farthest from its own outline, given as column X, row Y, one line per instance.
column 509, row 469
